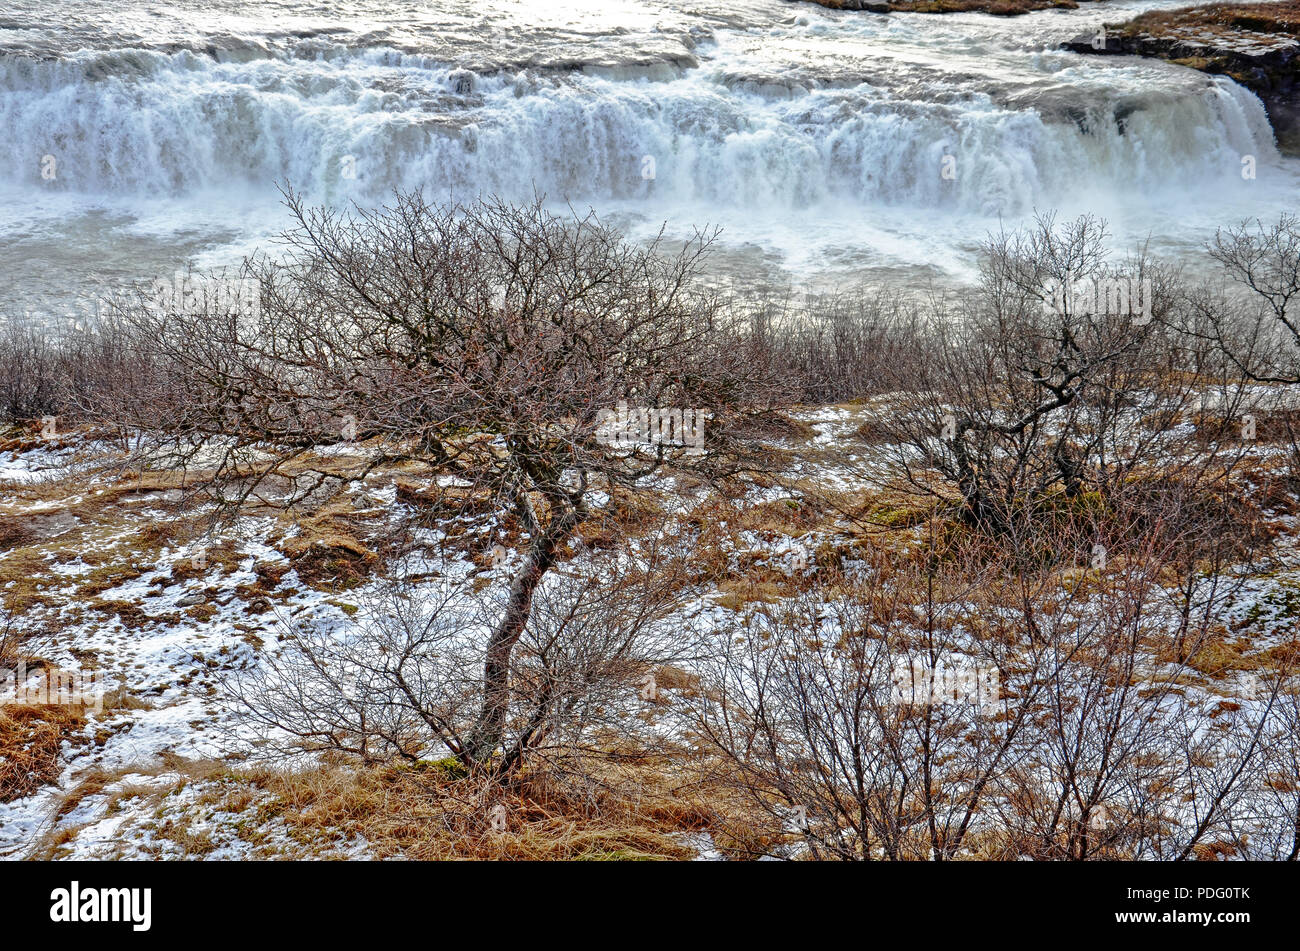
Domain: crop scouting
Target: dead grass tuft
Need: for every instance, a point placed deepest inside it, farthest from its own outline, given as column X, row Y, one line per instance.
column 329, row 561
column 31, row 741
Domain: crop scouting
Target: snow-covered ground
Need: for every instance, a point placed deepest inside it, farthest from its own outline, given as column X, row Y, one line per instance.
column 162, row 618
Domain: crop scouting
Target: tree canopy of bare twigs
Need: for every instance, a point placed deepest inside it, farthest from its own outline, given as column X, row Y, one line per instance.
column 487, row 339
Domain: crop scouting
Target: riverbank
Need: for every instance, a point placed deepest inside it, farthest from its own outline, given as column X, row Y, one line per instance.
column 1257, row 44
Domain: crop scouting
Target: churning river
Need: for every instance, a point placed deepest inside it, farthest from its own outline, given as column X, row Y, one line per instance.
column 832, row 147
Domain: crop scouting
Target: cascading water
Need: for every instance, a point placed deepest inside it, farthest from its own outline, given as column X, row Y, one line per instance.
column 829, row 142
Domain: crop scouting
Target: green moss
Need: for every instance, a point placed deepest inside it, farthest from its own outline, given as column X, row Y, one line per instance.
column 449, row 767
column 1280, row 607
column 887, row 514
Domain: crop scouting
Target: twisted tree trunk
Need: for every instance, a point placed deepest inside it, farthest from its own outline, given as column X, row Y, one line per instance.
column 488, row 731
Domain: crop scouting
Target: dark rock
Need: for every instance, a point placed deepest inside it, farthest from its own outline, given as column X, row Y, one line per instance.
column 1273, row 74
column 1093, row 43
column 867, row 6
column 462, row 82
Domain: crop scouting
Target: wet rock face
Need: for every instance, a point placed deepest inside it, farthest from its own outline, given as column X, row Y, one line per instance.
column 871, row 6
column 1007, row 8
column 1266, row 64
column 462, row 82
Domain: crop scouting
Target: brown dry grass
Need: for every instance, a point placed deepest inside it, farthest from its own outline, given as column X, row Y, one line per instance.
column 31, row 741
column 627, row 809
column 329, row 560
column 1221, row 18
column 632, row 806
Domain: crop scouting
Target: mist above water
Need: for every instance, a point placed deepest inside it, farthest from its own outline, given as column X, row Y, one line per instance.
column 831, row 147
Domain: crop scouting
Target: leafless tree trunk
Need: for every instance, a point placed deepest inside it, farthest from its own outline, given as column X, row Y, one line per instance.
column 491, row 341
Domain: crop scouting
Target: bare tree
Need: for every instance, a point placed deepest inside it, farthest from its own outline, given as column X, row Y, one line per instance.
column 405, row 681
column 868, row 709
column 1272, row 817
column 1254, row 323
column 488, row 340
column 1264, row 345
column 1007, row 403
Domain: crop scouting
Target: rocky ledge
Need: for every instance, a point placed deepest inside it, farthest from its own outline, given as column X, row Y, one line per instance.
column 1257, row 44
column 1006, row 8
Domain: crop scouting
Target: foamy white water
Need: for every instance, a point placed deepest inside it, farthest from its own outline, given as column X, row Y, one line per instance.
column 829, row 146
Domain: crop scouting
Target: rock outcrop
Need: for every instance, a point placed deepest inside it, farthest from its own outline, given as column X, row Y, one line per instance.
column 868, row 6
column 1258, row 45
column 1007, row 8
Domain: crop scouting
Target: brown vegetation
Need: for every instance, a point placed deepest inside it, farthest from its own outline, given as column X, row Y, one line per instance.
column 1223, row 19
column 645, row 647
